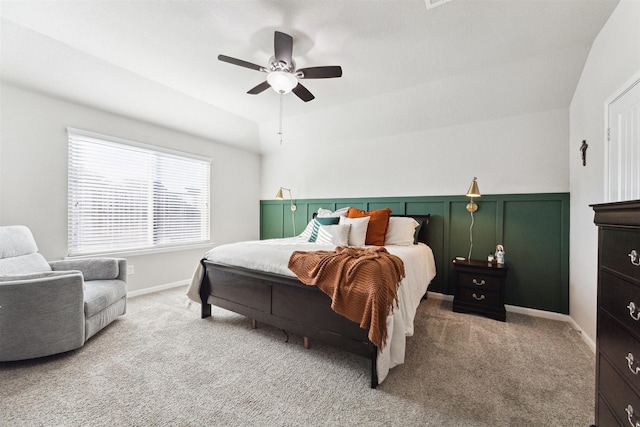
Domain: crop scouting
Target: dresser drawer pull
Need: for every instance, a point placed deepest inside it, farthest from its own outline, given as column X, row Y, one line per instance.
column 635, row 259
column 629, row 410
column 481, row 283
column 632, row 311
column 630, row 361
column 479, row 298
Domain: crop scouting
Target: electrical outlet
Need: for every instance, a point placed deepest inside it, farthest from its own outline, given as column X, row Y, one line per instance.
column 131, row 269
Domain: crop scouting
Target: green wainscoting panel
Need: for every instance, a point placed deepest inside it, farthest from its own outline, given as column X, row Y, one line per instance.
column 271, row 221
column 534, row 229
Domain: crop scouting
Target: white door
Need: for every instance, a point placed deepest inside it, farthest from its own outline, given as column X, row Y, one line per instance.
column 622, row 177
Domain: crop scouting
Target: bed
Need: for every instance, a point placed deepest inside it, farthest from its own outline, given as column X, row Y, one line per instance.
column 252, row 279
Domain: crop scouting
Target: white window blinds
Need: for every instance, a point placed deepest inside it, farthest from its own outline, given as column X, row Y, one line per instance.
column 126, row 196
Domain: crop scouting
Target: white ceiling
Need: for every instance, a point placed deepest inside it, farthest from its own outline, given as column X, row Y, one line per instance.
column 157, row 60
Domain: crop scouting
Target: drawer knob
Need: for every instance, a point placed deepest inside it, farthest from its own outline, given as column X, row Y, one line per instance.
column 480, row 283
column 630, row 361
column 629, row 411
column 635, row 259
column 479, row 298
column 632, row 311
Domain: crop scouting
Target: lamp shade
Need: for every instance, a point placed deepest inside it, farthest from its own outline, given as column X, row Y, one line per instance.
column 473, row 190
column 279, row 194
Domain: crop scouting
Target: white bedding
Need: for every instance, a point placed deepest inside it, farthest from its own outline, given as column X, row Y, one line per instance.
column 273, row 256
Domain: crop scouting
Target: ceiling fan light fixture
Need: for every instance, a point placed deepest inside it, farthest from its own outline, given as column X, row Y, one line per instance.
column 282, row 81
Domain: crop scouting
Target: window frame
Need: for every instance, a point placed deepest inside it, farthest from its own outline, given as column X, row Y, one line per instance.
column 154, row 150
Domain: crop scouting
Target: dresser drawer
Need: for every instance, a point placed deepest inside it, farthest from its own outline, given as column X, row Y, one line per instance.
column 616, row 296
column 605, row 417
column 617, row 393
column 622, row 349
column 480, row 282
column 615, row 251
column 479, row 297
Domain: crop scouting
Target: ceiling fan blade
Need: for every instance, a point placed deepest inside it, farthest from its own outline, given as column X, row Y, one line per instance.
column 320, row 72
column 260, row 88
column 240, row 62
column 283, row 47
column 303, row 93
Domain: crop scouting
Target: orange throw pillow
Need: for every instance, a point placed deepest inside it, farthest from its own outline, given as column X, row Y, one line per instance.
column 378, row 223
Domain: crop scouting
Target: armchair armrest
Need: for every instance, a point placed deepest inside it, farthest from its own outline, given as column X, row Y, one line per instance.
column 41, row 314
column 94, row 268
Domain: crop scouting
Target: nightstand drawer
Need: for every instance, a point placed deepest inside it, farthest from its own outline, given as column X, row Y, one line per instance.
column 479, row 297
column 480, row 282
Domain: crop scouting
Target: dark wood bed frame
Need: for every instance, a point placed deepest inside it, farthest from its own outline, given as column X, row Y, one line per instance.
column 288, row 304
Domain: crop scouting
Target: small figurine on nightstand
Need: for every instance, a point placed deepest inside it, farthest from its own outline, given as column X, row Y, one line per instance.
column 499, row 254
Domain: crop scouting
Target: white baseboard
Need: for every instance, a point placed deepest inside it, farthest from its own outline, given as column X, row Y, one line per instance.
column 533, row 313
column 586, row 338
column 157, row 288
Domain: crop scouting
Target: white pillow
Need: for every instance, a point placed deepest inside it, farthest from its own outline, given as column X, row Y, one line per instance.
column 324, row 212
column 400, row 231
column 358, row 230
column 335, row 234
column 340, row 212
column 327, row 212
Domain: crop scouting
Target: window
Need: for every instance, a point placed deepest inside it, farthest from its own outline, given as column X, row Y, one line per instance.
column 126, row 196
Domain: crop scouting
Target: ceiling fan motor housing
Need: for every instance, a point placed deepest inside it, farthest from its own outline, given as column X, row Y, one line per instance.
column 276, row 65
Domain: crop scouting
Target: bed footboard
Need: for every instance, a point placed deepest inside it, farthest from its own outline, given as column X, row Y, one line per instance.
column 286, row 303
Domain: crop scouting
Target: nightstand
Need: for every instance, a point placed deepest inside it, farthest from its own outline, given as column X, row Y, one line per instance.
column 480, row 288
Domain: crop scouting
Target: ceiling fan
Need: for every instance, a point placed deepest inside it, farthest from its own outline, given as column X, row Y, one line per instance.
column 282, row 74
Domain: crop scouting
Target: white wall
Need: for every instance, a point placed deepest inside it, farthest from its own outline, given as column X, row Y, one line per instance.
column 33, row 177
column 613, row 60
column 525, row 153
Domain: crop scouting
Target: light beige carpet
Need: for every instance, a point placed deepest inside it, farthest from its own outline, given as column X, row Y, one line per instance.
column 161, row 365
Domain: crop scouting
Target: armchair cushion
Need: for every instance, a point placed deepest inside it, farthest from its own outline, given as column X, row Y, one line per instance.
column 19, row 252
column 99, row 294
column 23, row 264
column 91, row 268
column 16, row 240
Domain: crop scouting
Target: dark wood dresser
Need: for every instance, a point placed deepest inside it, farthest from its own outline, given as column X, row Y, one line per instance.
column 480, row 288
column 618, row 325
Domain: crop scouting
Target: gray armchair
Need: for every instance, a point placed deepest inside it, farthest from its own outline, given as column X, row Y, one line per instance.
column 48, row 308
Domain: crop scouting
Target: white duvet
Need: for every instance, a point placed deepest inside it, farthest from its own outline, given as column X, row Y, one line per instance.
column 273, row 256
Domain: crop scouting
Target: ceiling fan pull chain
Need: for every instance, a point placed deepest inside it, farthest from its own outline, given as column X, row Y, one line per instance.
column 280, row 131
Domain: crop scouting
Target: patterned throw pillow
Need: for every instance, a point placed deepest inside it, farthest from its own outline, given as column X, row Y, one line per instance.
column 335, row 234
column 318, row 221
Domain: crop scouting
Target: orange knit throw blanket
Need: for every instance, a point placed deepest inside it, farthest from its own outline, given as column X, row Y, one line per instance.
column 362, row 283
